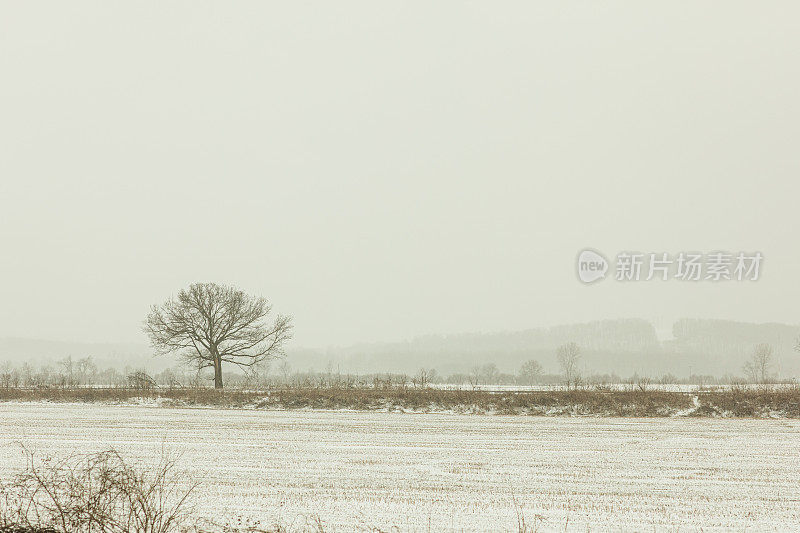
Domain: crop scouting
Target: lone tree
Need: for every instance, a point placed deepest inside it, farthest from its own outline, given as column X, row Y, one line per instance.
column 209, row 324
column 568, row 355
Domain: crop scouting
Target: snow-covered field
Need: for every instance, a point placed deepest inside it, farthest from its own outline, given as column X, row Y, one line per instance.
column 446, row 472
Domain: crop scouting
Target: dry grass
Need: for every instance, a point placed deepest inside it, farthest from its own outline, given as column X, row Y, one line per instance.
column 736, row 401
column 751, row 402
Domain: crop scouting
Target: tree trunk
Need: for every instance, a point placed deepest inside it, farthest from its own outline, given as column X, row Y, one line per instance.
column 217, row 370
column 217, row 374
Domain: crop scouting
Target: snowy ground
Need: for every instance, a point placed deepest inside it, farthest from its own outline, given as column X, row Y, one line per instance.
column 447, row 472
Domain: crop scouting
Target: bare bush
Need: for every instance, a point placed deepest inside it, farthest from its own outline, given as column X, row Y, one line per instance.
column 141, row 380
column 97, row 492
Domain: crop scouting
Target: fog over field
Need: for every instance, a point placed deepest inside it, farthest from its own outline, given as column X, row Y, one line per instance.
column 383, row 173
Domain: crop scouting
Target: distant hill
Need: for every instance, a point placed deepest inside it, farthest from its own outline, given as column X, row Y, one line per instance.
column 725, row 336
column 723, row 344
column 624, row 347
column 459, row 353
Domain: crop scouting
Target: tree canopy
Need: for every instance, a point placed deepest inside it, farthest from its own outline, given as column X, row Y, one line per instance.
column 210, row 324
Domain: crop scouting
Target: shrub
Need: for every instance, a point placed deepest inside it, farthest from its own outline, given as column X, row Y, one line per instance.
column 98, row 492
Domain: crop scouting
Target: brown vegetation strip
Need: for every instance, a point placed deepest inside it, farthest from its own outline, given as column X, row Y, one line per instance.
column 650, row 403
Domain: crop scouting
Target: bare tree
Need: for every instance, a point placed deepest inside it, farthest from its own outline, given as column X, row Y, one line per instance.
column 758, row 367
column 68, row 377
column 329, row 371
column 86, row 370
column 568, row 355
column 6, row 373
column 261, row 372
column 210, row 324
column 27, row 374
column 402, row 381
column 475, row 376
column 286, row 370
column 490, row 373
column 424, row 377
column 530, row 371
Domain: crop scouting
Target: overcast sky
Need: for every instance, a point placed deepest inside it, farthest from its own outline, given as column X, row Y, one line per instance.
column 384, row 170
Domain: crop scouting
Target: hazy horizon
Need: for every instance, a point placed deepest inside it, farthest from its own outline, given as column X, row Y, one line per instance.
column 381, row 172
column 662, row 328
column 623, row 347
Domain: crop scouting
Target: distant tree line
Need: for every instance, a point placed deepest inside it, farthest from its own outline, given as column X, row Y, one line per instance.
column 71, row 372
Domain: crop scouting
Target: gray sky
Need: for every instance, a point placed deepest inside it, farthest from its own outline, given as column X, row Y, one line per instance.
column 382, row 170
